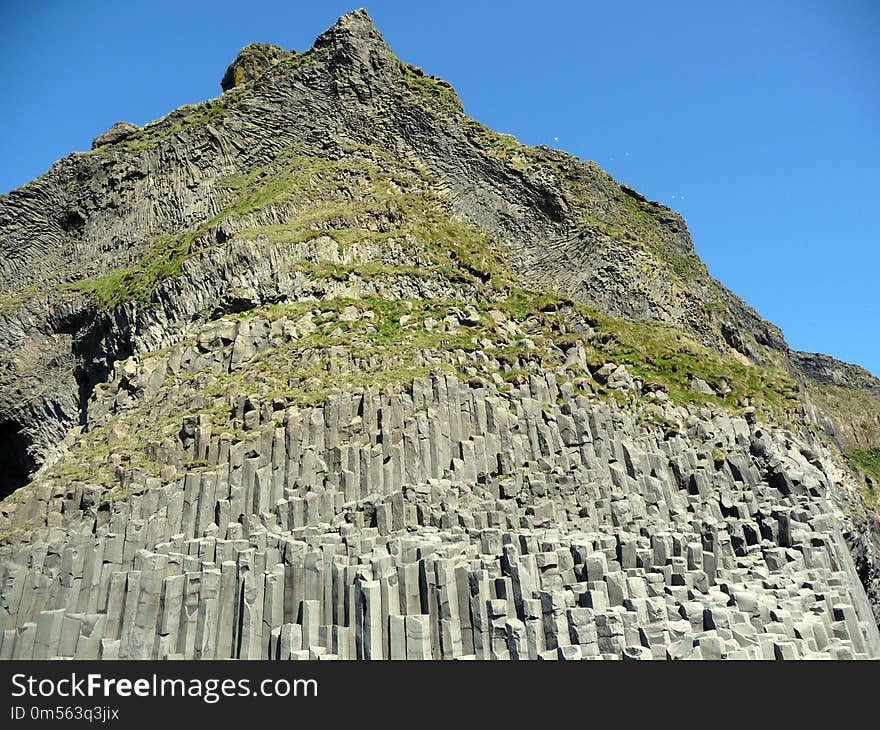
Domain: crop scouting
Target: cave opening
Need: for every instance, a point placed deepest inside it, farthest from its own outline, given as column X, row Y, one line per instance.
column 16, row 464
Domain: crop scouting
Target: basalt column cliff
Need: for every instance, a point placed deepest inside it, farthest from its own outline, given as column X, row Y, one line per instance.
column 322, row 367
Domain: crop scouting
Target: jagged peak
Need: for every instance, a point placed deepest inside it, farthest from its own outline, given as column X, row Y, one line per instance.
column 352, row 48
column 354, row 31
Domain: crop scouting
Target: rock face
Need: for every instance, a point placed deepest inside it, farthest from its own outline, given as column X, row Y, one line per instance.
column 847, row 399
column 324, row 368
column 434, row 518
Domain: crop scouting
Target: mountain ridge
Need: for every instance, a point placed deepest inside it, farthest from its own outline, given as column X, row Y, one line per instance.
column 333, row 229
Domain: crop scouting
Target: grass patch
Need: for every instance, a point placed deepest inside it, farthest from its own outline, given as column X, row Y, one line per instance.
column 438, row 95
column 207, row 112
column 506, row 149
column 13, row 299
column 162, row 260
column 659, row 353
column 363, row 195
column 390, row 342
column 868, row 462
column 850, row 409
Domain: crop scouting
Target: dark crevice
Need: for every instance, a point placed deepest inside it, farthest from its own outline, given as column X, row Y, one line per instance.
column 72, row 220
column 16, row 463
column 96, row 348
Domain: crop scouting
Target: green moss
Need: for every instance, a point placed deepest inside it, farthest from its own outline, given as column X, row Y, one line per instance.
column 363, row 195
column 505, row 148
column 435, row 93
column 521, row 303
column 391, row 342
column 13, row 299
column 208, row 112
column 660, row 353
column 93, row 460
column 295, row 60
column 162, row 260
column 293, row 178
column 687, row 267
column 868, row 462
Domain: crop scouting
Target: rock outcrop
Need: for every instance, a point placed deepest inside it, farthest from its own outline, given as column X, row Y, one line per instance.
column 251, row 63
column 118, row 132
column 324, row 368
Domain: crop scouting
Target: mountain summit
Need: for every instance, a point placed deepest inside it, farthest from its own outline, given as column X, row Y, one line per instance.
column 324, row 366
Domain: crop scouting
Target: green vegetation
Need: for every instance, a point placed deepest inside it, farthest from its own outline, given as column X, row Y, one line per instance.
column 14, row 298
column 652, row 351
column 507, row 149
column 606, row 208
column 661, row 353
column 458, row 247
column 294, row 177
column 601, row 204
column 388, row 220
column 162, row 260
column 390, row 342
column 95, row 457
column 295, row 60
column 438, row 95
column 868, row 462
column 854, row 411
column 212, row 111
column 372, row 204
column 299, row 231
column 362, row 196
column 207, row 112
column 365, row 271
column 340, row 198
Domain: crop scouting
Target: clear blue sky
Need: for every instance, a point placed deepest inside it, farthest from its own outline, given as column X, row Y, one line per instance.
column 759, row 124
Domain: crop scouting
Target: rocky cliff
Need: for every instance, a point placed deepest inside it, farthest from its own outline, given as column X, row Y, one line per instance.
column 324, row 367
